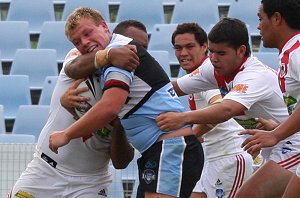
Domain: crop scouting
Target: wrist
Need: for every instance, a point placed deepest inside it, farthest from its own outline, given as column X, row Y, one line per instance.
column 101, row 58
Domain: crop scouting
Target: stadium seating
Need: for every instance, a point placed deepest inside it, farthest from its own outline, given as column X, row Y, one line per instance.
column 247, row 13
column 1, row 69
column 148, row 12
column 47, row 90
column 268, row 58
column 17, row 138
column 162, row 57
column 33, row 11
column 204, row 14
column 37, row 64
column 53, row 36
column 2, row 121
column 13, row 35
column 14, row 92
column 161, row 40
column 100, row 5
column 30, row 119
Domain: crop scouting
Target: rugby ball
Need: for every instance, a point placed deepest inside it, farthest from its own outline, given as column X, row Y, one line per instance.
column 94, row 93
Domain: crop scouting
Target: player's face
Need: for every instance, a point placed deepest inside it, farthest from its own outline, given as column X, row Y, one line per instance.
column 266, row 28
column 88, row 37
column 138, row 35
column 188, row 51
column 225, row 59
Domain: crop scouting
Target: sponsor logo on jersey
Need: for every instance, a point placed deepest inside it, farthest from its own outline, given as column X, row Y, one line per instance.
column 150, row 164
column 23, row 194
column 240, row 88
column 172, row 92
column 218, row 183
column 148, row 176
column 291, row 103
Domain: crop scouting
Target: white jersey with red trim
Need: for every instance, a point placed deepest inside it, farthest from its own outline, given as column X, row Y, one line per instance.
column 289, row 72
column 223, row 139
column 82, row 156
column 255, row 86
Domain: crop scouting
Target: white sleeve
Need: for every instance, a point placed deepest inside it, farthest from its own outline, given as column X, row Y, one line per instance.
column 250, row 87
column 202, row 79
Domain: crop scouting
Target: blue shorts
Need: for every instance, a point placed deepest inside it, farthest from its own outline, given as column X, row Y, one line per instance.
column 168, row 167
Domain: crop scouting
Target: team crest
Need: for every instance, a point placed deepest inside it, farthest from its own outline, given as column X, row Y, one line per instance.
column 148, row 176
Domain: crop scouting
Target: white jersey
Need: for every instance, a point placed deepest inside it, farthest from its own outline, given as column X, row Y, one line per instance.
column 82, row 156
column 223, row 139
column 256, row 87
column 289, row 72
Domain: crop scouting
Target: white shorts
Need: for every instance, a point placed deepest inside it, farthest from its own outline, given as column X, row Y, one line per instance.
column 42, row 180
column 223, row 176
column 286, row 153
column 298, row 171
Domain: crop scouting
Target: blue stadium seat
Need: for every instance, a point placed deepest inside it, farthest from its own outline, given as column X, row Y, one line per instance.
column 162, row 57
column 224, row 2
column 2, row 121
column 268, row 58
column 17, row 138
column 100, row 5
column 204, row 14
column 13, row 35
column 53, row 36
column 161, row 40
column 148, row 12
column 246, row 12
column 14, row 92
column 1, row 69
column 47, row 90
column 37, row 64
column 33, row 11
column 30, row 119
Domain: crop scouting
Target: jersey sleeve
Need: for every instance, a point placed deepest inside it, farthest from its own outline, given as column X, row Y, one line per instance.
column 250, row 87
column 202, row 79
column 116, row 77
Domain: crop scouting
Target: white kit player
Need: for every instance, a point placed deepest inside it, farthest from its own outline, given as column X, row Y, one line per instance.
column 227, row 165
column 80, row 169
column 280, row 28
column 250, row 90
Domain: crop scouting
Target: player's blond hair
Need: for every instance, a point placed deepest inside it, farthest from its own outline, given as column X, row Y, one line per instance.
column 74, row 18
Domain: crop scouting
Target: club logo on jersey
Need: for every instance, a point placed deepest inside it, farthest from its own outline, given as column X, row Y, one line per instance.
column 282, row 70
column 220, row 193
column 148, row 176
column 172, row 92
column 23, row 194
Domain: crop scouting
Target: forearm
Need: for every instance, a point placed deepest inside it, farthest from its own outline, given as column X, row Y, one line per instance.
column 121, row 151
column 214, row 114
column 289, row 127
column 92, row 120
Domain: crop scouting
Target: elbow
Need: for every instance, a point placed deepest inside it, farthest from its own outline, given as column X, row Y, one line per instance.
column 71, row 71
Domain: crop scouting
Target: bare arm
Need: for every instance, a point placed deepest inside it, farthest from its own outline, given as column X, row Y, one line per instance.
column 178, row 91
column 101, row 114
column 261, row 139
column 84, row 65
column 121, row 152
column 213, row 114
